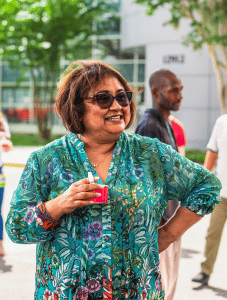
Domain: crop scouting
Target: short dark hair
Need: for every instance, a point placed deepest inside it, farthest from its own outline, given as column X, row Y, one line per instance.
column 75, row 85
column 156, row 79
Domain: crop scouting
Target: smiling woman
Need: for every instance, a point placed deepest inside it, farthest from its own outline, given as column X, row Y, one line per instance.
column 80, row 82
column 109, row 249
column 100, row 122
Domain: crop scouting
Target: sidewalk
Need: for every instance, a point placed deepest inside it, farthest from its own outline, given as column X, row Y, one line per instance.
column 17, row 269
column 17, row 157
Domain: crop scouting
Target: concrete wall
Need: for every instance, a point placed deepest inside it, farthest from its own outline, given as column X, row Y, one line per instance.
column 200, row 106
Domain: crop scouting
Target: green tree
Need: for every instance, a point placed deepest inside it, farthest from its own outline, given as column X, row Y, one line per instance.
column 208, row 24
column 36, row 35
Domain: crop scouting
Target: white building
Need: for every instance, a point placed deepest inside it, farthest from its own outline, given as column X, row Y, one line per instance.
column 163, row 49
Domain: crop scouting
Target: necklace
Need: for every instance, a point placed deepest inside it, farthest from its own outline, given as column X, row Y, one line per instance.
column 96, row 165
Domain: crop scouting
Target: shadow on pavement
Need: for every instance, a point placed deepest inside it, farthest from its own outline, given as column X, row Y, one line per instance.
column 219, row 292
column 187, row 253
column 3, row 267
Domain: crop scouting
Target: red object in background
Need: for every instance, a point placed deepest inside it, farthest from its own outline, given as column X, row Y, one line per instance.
column 179, row 131
column 23, row 114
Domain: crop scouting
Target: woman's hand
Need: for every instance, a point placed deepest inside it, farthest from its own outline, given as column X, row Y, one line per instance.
column 79, row 194
column 180, row 222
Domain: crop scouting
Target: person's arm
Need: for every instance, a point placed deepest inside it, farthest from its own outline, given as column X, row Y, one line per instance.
column 197, row 189
column 33, row 217
column 210, row 160
column 181, row 221
column 181, row 150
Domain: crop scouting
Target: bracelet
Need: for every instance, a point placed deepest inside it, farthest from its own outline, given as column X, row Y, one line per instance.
column 47, row 222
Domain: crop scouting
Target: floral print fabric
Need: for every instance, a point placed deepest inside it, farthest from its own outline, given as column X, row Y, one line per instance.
column 107, row 251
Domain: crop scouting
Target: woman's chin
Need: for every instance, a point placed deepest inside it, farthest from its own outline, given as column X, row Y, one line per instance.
column 117, row 131
column 117, row 127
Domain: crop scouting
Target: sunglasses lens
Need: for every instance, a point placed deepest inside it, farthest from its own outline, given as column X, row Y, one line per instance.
column 129, row 96
column 124, row 98
column 104, row 100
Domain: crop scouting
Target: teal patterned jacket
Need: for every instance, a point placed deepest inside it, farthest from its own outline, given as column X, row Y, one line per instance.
column 107, row 251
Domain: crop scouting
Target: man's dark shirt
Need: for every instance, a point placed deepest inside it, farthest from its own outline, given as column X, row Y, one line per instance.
column 153, row 125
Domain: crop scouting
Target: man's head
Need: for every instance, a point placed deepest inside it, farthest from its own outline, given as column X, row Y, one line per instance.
column 166, row 90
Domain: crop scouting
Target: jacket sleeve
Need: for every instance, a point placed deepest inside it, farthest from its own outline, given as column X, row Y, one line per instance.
column 150, row 130
column 196, row 188
column 27, row 220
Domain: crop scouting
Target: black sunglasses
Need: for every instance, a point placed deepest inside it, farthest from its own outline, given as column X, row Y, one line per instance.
column 105, row 100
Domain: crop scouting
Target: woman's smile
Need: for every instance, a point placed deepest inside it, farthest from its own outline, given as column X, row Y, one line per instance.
column 114, row 118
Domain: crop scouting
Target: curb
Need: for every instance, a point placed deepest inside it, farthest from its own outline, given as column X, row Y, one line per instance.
column 14, row 165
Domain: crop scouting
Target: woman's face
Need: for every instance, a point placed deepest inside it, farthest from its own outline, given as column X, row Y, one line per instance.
column 108, row 122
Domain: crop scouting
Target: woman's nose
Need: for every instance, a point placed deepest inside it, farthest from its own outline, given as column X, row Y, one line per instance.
column 115, row 105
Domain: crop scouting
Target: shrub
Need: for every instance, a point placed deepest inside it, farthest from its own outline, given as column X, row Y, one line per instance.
column 195, row 155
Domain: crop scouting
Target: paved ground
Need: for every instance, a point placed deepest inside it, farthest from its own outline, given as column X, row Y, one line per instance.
column 17, row 269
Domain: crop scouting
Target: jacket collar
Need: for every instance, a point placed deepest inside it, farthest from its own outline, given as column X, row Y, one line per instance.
column 155, row 114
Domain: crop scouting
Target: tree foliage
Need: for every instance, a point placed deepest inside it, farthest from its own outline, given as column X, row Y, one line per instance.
column 208, row 25
column 37, row 34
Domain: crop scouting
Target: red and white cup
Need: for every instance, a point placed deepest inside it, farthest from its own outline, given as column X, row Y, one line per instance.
column 103, row 192
column 103, row 197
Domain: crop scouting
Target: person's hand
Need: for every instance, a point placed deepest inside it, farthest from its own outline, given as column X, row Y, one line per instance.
column 79, row 194
column 7, row 145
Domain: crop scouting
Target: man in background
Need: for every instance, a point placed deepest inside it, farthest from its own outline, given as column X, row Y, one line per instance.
column 216, row 153
column 166, row 90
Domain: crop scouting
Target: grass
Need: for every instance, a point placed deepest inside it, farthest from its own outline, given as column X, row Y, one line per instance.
column 195, row 155
column 28, row 139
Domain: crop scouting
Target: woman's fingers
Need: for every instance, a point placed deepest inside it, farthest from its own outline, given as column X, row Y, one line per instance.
column 85, row 181
column 83, row 189
column 80, row 203
column 87, row 188
column 80, row 194
column 84, row 196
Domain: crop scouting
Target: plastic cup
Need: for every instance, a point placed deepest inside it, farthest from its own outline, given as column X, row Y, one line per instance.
column 103, row 197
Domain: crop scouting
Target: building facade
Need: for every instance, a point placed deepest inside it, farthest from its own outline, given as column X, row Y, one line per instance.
column 163, row 49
